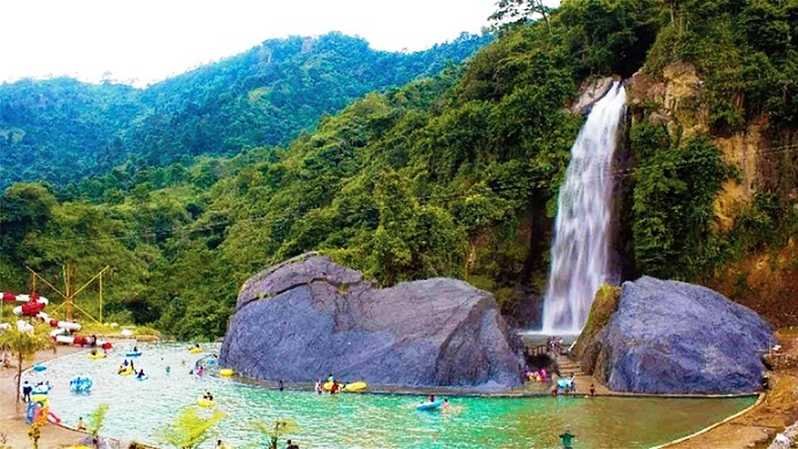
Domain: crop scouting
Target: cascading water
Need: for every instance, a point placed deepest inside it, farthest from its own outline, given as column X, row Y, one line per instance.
column 580, row 253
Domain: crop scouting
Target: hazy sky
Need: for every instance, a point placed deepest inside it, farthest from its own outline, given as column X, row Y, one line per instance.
column 148, row 40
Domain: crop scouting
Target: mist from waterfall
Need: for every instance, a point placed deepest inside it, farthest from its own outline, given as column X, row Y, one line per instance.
column 580, row 252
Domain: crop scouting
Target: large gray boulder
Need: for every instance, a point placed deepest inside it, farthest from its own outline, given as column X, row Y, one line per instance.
column 309, row 317
column 674, row 337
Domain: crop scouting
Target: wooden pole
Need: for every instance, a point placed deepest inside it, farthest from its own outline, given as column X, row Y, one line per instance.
column 101, row 295
column 68, row 289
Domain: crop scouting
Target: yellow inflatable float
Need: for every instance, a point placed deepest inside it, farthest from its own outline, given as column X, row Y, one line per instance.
column 354, row 387
column 204, row 402
column 226, row 372
column 195, row 350
column 97, row 356
column 126, row 372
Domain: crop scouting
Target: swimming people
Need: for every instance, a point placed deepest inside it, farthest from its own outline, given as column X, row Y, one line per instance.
column 140, row 375
column 567, row 439
column 208, row 396
column 317, row 387
column 81, row 427
column 168, row 369
column 445, row 404
column 291, row 445
column 432, row 398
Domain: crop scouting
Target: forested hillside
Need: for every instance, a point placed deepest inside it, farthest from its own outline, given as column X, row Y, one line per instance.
column 62, row 130
column 457, row 174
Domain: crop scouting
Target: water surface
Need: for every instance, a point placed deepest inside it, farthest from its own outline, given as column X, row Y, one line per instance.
column 139, row 409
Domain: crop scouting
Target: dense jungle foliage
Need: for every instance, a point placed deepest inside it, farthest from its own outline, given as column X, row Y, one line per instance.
column 62, row 130
column 450, row 175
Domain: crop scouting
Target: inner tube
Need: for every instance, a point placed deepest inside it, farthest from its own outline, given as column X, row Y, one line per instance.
column 133, row 354
column 430, row 406
column 204, row 403
column 39, row 368
column 125, row 372
column 226, row 372
column 97, row 356
column 195, row 350
column 356, row 387
column 39, row 398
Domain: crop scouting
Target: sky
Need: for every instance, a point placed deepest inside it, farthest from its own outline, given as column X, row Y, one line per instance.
column 142, row 41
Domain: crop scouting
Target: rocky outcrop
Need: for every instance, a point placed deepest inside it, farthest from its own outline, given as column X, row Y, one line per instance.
column 591, row 91
column 673, row 337
column 309, row 317
column 786, row 439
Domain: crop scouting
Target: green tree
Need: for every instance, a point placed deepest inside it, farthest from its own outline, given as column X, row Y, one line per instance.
column 274, row 431
column 24, row 343
column 190, row 428
column 96, row 422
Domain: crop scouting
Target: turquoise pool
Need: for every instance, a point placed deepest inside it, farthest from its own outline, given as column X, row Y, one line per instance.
column 139, row 409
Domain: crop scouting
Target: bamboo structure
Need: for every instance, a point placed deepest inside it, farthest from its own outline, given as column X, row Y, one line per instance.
column 69, row 292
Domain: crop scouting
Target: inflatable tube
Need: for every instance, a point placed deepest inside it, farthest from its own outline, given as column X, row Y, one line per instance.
column 226, row 372
column 80, row 385
column 65, row 339
column 97, row 356
column 133, row 354
column 40, row 398
column 30, row 412
column 430, row 406
column 195, row 350
column 125, row 372
column 355, row 387
column 66, row 325
column 39, row 368
column 53, row 418
column 204, row 403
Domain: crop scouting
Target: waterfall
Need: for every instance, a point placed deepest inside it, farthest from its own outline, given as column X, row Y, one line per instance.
column 580, row 252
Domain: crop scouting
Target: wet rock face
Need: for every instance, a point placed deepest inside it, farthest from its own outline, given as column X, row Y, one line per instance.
column 310, row 317
column 673, row 337
column 591, row 91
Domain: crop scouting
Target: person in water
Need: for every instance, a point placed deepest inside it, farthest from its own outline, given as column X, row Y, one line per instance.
column 445, row 404
column 221, row 445
column 432, row 398
column 135, row 349
column 317, row 387
column 140, row 375
column 280, row 385
column 208, row 396
column 81, row 427
column 592, row 389
column 168, row 369
column 291, row 445
column 567, row 439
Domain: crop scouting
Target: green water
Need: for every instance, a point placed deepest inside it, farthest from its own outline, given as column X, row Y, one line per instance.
column 139, row 409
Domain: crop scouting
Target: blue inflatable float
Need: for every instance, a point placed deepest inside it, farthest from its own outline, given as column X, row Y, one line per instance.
column 80, row 385
column 430, row 406
column 133, row 354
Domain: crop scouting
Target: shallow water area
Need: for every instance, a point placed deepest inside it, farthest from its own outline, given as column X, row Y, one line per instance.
column 138, row 409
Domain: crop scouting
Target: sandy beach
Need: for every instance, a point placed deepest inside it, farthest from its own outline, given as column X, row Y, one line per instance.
column 12, row 415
